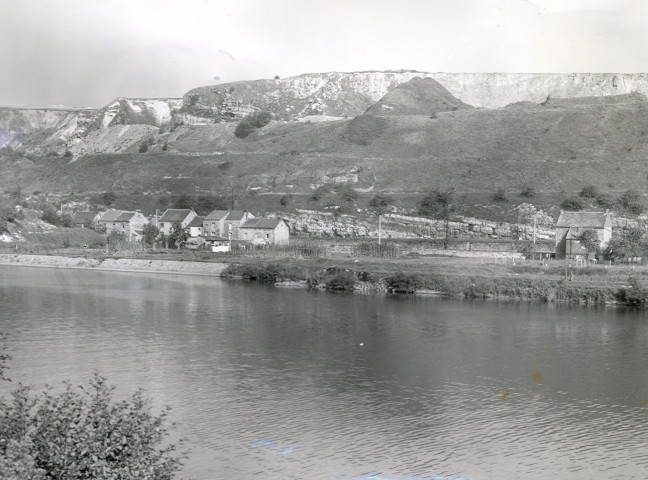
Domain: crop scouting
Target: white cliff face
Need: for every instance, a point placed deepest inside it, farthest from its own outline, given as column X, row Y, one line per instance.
column 331, row 95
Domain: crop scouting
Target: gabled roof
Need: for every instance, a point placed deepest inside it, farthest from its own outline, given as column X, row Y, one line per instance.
column 217, row 215
column 110, row 215
column 196, row 222
column 262, row 223
column 235, row 215
column 85, row 218
column 125, row 217
column 583, row 219
column 175, row 215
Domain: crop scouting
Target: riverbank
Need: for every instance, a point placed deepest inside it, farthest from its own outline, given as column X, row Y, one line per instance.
column 116, row 264
column 444, row 276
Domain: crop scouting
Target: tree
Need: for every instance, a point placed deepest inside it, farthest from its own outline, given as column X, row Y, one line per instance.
column 627, row 243
column 381, row 203
column 439, row 205
column 590, row 241
column 178, row 236
column 82, row 433
column 149, row 233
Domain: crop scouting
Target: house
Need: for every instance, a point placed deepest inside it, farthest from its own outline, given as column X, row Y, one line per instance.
column 214, row 223
column 83, row 219
column 264, row 231
column 571, row 225
column 108, row 218
column 195, row 227
column 183, row 216
column 131, row 224
column 232, row 222
column 128, row 223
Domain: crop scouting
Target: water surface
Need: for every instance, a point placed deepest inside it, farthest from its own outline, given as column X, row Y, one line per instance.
column 289, row 384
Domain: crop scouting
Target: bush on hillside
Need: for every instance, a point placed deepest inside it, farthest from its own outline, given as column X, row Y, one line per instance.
column 632, row 201
column 527, row 191
column 606, row 200
column 381, row 202
column 500, row 195
column 589, row 191
column 251, row 122
column 573, row 204
column 244, row 128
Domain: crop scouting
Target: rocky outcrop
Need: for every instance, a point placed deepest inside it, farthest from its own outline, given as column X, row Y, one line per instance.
column 324, row 224
column 319, row 95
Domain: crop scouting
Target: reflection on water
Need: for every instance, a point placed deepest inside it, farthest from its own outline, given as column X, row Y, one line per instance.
column 289, row 384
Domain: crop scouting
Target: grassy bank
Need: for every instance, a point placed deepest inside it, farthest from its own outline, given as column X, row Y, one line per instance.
column 591, row 285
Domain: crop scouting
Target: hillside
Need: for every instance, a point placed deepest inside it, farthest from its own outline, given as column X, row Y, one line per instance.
column 416, row 136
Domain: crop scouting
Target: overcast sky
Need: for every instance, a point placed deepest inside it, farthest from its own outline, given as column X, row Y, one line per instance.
column 88, row 52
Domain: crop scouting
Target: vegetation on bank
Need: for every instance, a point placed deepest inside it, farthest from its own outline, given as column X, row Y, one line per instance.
column 592, row 285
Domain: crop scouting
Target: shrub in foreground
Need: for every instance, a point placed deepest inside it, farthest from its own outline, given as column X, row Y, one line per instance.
column 83, row 433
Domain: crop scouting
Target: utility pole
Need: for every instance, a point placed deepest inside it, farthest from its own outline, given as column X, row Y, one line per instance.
column 232, row 196
column 379, row 228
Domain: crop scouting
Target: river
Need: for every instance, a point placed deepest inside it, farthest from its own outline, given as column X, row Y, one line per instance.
column 289, row 384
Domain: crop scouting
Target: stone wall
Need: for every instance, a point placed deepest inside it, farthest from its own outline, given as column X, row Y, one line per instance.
column 309, row 223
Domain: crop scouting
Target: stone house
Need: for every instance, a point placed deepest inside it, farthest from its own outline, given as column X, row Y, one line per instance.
column 264, row 231
column 232, row 222
column 128, row 223
column 214, row 223
column 571, row 225
column 131, row 224
column 183, row 216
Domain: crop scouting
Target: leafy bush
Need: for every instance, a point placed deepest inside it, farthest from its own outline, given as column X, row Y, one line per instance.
column 606, row 200
column 341, row 281
column 381, row 202
column 632, row 201
column 50, row 215
column 573, row 203
column 149, row 234
column 251, row 122
column 402, row 283
column 527, row 191
column 244, row 128
column 500, row 195
column 83, row 433
column 589, row 191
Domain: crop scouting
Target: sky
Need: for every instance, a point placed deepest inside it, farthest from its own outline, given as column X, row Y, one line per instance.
column 85, row 53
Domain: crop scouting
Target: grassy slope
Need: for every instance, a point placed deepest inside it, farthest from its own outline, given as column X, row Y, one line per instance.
column 558, row 148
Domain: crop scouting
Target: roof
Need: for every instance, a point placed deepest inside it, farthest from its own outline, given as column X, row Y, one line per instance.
column 263, row 223
column 175, row 215
column 217, row 215
column 235, row 215
column 196, row 222
column 110, row 215
column 583, row 219
column 125, row 217
column 83, row 217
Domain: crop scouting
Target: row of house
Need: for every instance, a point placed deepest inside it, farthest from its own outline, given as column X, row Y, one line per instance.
column 217, row 229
